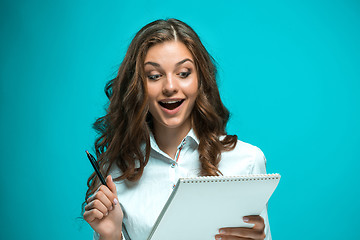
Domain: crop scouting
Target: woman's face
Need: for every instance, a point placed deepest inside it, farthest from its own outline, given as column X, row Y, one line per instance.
column 172, row 84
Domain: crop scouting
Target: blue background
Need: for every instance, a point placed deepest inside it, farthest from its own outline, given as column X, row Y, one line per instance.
column 288, row 72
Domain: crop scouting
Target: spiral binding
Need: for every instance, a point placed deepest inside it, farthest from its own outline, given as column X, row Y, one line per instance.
column 221, row 179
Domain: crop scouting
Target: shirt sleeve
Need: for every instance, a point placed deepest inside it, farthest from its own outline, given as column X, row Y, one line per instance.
column 259, row 167
column 96, row 236
column 259, row 164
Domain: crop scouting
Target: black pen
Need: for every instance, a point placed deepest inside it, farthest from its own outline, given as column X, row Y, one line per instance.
column 96, row 167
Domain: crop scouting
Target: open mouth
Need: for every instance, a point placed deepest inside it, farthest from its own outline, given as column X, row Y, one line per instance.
column 171, row 105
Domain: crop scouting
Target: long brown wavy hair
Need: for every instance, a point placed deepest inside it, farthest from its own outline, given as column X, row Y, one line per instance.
column 127, row 123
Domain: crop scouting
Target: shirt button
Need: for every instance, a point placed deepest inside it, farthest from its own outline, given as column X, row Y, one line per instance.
column 173, row 165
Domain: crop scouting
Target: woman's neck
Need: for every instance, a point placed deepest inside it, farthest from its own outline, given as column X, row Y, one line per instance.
column 168, row 139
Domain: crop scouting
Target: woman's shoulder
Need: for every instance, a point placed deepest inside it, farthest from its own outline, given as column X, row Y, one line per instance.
column 245, row 158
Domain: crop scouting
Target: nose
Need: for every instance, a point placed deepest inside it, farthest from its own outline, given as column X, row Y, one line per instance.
column 170, row 86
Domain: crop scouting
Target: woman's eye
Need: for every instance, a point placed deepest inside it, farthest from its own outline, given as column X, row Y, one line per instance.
column 184, row 74
column 154, row 77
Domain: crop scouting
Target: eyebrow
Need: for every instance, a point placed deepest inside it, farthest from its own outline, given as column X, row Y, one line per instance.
column 176, row 65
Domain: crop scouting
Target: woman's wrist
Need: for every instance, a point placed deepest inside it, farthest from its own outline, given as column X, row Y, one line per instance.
column 115, row 236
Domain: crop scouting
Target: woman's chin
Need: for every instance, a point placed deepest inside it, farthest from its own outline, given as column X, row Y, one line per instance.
column 174, row 124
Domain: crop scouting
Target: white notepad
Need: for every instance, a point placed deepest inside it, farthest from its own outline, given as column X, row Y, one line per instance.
column 199, row 206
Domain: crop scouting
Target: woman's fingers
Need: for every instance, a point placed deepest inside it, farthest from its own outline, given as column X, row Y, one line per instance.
column 103, row 213
column 111, row 185
column 93, row 214
column 112, row 188
column 97, row 204
column 103, row 196
column 101, row 202
column 235, row 233
column 256, row 232
column 258, row 222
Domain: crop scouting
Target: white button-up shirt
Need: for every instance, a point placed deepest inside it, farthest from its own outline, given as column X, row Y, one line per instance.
column 142, row 201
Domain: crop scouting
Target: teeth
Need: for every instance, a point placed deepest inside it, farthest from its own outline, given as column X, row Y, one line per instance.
column 172, row 102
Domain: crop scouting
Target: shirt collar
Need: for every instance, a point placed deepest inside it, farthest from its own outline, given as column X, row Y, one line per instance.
column 191, row 135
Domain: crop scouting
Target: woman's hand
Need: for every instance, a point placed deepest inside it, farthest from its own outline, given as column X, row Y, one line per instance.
column 103, row 211
column 237, row 233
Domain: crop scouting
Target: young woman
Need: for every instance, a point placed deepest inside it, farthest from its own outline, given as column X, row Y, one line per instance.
column 165, row 120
